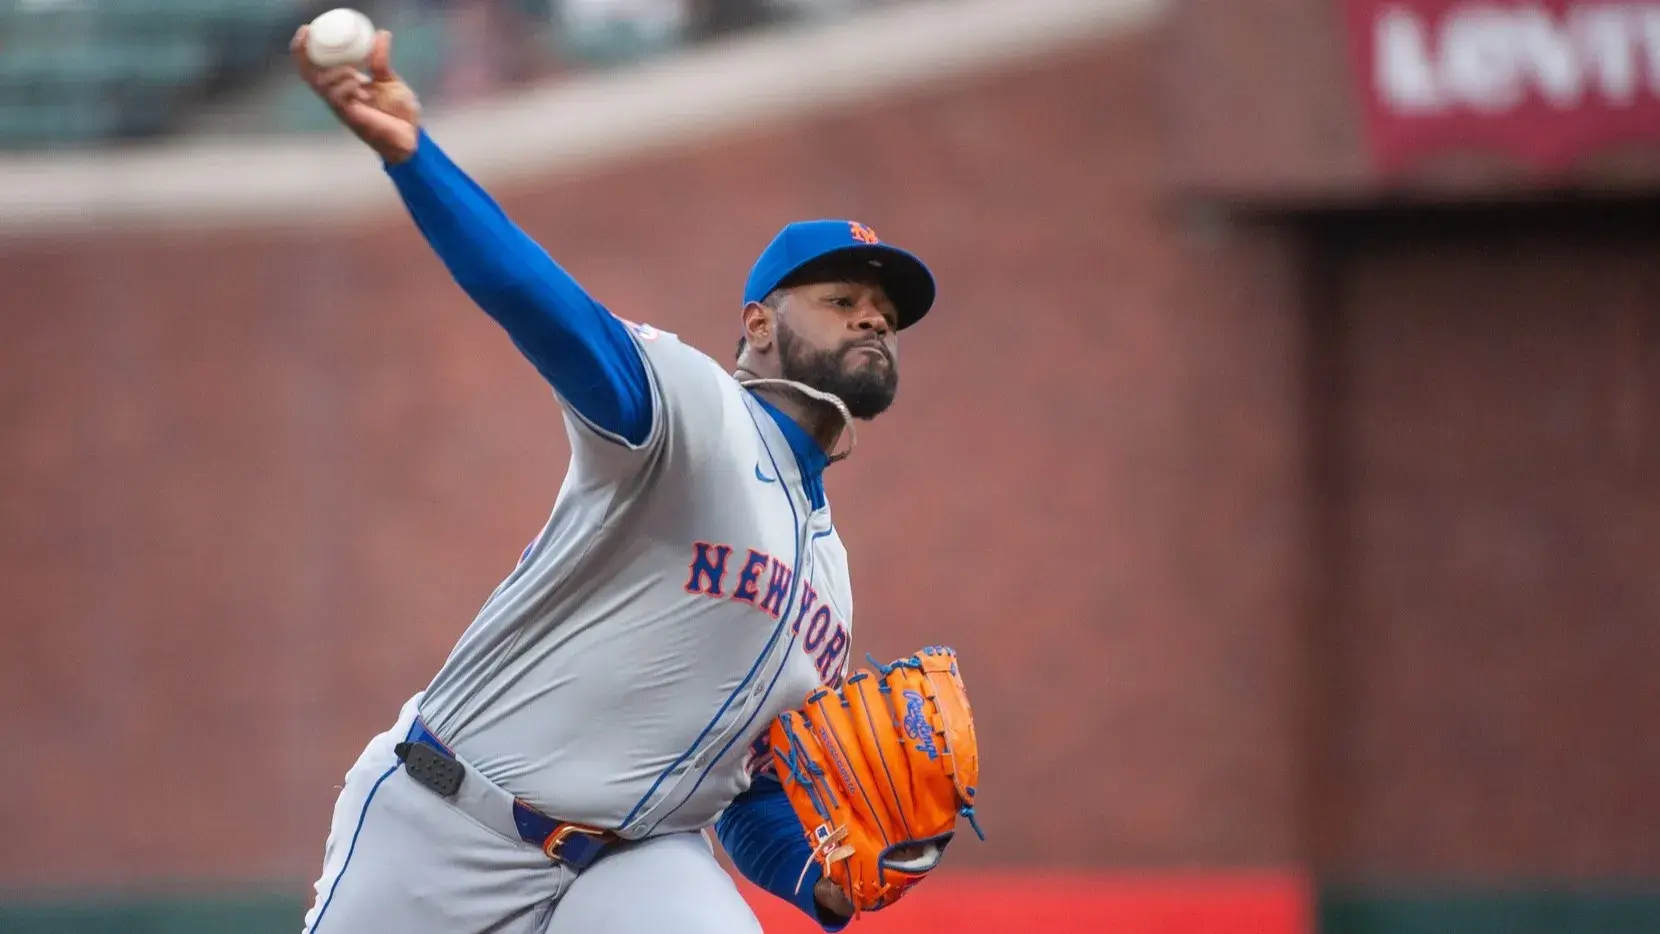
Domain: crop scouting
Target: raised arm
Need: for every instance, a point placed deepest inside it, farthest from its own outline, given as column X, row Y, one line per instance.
column 579, row 347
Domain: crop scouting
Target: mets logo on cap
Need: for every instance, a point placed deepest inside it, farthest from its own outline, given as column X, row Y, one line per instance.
column 862, row 233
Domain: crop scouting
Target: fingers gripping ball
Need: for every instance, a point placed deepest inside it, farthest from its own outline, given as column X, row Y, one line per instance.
column 879, row 771
column 342, row 36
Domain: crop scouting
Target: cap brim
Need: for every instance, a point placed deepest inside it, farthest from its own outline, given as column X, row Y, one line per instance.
column 906, row 279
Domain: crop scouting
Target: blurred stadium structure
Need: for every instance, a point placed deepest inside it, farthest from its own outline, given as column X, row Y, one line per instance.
column 1284, row 459
column 78, row 73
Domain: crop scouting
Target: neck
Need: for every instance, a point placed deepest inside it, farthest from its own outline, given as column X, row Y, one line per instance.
column 819, row 419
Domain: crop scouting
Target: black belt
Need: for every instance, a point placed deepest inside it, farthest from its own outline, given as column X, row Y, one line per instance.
column 433, row 765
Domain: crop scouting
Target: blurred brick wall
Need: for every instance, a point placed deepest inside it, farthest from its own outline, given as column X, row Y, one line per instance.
column 258, row 486
column 1490, row 534
column 1260, row 101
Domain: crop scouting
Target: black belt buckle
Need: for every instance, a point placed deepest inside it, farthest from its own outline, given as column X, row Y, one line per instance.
column 431, row 768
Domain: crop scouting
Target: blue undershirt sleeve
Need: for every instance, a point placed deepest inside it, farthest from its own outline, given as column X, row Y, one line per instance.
column 578, row 346
column 762, row 835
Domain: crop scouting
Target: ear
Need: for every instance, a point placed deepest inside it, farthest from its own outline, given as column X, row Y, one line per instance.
column 760, row 326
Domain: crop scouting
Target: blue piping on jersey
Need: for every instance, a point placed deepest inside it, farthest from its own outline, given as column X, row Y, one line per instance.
column 812, row 460
column 783, row 622
column 370, row 799
column 809, row 456
column 800, row 614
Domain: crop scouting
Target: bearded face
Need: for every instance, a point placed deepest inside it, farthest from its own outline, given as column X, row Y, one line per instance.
column 860, row 371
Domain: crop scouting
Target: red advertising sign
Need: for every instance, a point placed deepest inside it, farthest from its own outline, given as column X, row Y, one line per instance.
column 1542, row 82
column 1030, row 902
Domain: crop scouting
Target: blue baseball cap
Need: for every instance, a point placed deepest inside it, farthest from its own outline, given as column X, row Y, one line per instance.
column 905, row 278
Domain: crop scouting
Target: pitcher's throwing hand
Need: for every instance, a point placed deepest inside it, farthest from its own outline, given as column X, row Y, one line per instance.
column 378, row 107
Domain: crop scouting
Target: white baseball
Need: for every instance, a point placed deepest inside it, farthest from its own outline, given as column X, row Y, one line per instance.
column 342, row 36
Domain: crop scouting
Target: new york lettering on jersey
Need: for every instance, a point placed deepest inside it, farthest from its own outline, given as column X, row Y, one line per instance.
column 775, row 549
column 826, row 638
column 699, row 651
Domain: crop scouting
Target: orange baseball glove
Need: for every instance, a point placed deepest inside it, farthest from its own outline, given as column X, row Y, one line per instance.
column 879, row 771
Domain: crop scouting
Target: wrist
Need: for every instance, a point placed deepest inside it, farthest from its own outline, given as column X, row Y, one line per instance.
column 397, row 152
column 831, row 901
column 396, row 156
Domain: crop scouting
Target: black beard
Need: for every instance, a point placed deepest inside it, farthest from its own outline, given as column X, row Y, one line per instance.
column 867, row 392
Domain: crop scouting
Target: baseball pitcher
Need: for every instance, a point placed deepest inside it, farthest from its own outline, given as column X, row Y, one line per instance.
column 670, row 655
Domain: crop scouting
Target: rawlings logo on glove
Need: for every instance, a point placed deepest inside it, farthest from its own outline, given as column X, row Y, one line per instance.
column 916, row 724
column 879, row 771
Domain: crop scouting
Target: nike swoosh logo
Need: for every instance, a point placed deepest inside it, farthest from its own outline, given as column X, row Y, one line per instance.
column 763, row 477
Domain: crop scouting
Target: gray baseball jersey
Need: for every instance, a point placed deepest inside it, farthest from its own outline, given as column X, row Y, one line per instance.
column 687, row 588
column 682, row 594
